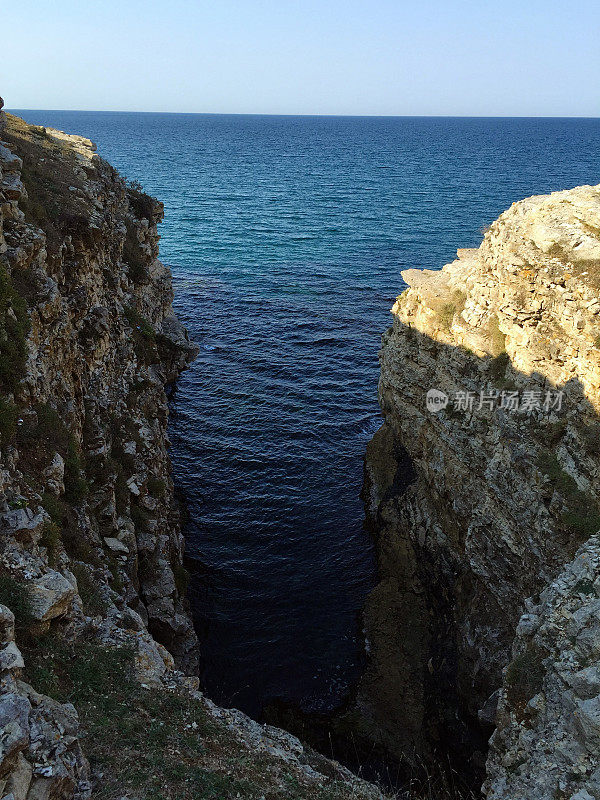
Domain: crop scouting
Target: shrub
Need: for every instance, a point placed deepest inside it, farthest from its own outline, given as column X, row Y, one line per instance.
column 446, row 315
column 93, row 602
column 182, row 578
column 498, row 366
column 14, row 327
column 9, row 416
column 134, row 257
column 498, row 339
column 156, row 486
column 76, row 487
column 524, row 678
column 51, row 539
column 141, row 203
column 581, row 516
column 15, row 595
column 140, row 517
column 144, row 336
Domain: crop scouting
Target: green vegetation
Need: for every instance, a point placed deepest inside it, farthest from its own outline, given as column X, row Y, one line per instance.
column 498, row 366
column 87, row 585
column 182, row 578
column 9, row 415
column 133, row 256
column 76, row 486
column 51, row 539
column 498, row 339
column 156, row 486
column 15, row 595
column 581, row 516
column 141, row 203
column 152, row 743
column 449, row 310
column 14, row 327
column 591, row 439
column 144, row 336
column 524, row 678
column 44, row 434
column 49, row 171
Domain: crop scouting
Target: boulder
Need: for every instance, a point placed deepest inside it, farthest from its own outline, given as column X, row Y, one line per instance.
column 51, row 596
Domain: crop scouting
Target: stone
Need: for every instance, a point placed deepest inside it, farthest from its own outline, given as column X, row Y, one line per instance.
column 19, row 779
column 55, row 475
column 7, row 624
column 51, row 596
column 14, row 726
column 115, row 545
column 10, row 657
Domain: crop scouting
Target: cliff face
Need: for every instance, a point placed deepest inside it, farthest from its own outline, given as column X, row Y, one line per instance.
column 96, row 647
column 480, row 502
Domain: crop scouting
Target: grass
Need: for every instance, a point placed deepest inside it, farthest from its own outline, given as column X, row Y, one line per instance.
column 148, row 743
column 44, row 434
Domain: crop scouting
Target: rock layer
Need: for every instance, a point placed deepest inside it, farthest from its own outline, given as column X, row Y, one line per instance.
column 479, row 504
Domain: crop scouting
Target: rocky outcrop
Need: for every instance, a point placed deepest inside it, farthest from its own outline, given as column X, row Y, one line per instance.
column 485, row 476
column 97, row 651
column 546, row 743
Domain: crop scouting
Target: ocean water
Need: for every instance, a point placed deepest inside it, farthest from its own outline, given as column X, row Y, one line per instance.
column 286, row 237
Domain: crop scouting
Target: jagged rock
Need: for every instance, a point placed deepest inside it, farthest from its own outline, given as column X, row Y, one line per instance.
column 7, row 624
column 115, row 545
column 51, row 596
column 477, row 505
column 10, row 657
column 55, row 475
column 91, row 441
column 14, row 728
column 22, row 523
column 548, row 732
column 19, row 780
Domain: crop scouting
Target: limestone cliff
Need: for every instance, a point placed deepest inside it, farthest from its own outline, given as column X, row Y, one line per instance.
column 97, row 651
column 479, row 502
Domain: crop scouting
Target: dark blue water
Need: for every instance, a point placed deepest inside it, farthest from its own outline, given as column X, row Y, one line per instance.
column 286, row 236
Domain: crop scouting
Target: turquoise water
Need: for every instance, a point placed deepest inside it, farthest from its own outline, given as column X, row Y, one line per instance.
column 286, row 237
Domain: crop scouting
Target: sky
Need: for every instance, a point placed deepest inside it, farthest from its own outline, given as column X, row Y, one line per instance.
column 380, row 57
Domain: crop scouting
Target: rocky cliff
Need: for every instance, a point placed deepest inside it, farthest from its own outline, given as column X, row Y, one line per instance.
column 97, row 651
column 481, row 485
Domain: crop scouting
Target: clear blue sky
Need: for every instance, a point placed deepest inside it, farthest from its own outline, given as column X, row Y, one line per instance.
column 463, row 57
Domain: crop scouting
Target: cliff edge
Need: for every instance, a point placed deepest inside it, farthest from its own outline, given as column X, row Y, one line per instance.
column 98, row 656
column 482, row 485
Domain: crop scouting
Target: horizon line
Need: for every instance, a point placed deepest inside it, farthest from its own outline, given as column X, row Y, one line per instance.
column 277, row 114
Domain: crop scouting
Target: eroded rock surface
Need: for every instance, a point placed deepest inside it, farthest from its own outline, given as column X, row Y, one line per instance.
column 480, row 505
column 92, row 586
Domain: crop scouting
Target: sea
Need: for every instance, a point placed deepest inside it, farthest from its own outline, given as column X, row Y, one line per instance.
column 286, row 236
